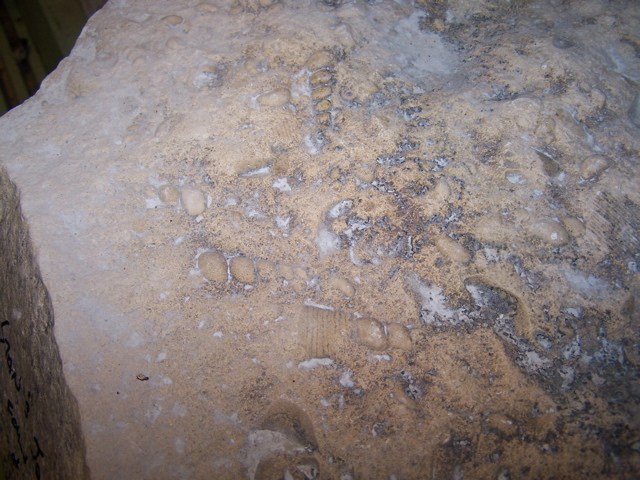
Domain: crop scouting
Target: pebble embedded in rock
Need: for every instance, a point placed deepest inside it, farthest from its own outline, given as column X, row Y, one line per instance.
column 344, row 286
column 321, row 92
column 371, row 333
column 398, row 336
column 266, row 270
column 320, row 78
column 323, row 105
column 275, row 98
column 452, row 249
column 193, row 200
column 213, row 267
column 442, row 189
column 173, row 20
column 242, row 270
column 206, row 7
column 323, row 119
column 168, row 194
column 319, row 60
column 545, row 130
column 549, row 231
column 593, row 166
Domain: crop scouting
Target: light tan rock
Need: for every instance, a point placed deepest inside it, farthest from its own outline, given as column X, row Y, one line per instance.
column 593, row 166
column 370, row 333
column 266, row 270
column 320, row 59
column 213, row 266
column 243, row 270
column 275, row 98
column 452, row 249
column 344, row 286
column 193, row 200
column 549, row 231
column 399, row 337
column 168, row 194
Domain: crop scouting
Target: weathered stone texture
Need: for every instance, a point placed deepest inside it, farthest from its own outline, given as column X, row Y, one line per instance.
column 40, row 434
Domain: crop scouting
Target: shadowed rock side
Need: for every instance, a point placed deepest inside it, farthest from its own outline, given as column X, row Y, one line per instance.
column 40, row 435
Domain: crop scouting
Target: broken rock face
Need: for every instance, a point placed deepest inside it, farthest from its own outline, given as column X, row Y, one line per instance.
column 343, row 239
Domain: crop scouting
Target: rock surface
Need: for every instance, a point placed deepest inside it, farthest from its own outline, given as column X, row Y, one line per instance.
column 418, row 164
column 38, row 410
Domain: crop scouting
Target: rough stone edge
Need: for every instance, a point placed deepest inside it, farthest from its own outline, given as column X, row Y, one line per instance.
column 40, row 434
